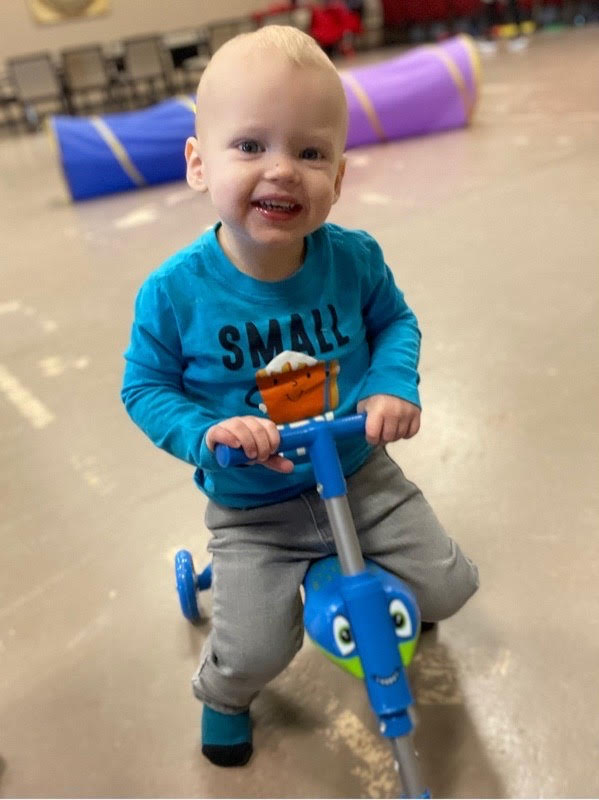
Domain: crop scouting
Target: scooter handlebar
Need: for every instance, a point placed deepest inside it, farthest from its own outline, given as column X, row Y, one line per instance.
column 298, row 435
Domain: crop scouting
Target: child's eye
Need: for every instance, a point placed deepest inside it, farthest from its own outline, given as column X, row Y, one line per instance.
column 311, row 154
column 249, row 146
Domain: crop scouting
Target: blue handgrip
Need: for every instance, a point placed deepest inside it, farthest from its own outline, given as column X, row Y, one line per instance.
column 297, row 435
column 230, row 456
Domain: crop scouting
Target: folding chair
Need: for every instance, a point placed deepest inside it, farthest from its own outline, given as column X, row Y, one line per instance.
column 9, row 106
column 36, row 85
column 190, row 51
column 87, row 78
column 148, row 67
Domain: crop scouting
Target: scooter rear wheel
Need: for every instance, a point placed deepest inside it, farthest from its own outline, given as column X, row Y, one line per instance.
column 186, row 585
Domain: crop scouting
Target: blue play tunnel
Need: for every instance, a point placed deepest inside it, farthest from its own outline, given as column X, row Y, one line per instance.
column 116, row 152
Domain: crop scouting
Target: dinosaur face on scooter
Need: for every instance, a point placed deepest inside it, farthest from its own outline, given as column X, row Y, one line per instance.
column 326, row 619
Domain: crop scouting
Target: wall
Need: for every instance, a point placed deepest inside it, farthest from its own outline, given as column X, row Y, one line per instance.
column 21, row 34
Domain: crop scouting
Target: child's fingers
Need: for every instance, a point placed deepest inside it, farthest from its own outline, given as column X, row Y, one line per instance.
column 265, row 438
column 392, row 428
column 233, row 432
column 374, row 427
column 274, row 437
column 389, row 419
column 220, row 434
column 258, row 438
column 248, row 441
column 279, row 464
column 413, row 427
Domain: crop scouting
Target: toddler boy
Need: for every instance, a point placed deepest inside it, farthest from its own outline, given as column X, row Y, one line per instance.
column 272, row 276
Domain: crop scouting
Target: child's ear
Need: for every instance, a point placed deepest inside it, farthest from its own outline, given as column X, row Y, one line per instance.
column 195, row 165
column 339, row 178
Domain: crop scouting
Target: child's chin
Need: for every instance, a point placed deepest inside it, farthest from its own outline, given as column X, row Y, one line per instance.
column 280, row 237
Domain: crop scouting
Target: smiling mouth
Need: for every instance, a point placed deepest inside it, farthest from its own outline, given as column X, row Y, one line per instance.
column 296, row 396
column 279, row 209
column 388, row 681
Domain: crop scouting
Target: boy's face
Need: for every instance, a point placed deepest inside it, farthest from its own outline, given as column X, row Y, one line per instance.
column 269, row 150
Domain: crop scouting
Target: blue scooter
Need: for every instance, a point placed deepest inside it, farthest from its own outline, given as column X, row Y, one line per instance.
column 364, row 618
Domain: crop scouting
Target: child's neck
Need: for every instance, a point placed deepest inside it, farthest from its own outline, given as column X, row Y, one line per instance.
column 263, row 263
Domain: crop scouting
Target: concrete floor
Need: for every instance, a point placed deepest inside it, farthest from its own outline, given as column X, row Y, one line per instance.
column 494, row 237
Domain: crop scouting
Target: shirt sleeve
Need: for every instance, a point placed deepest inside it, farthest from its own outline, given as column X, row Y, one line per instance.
column 392, row 332
column 152, row 389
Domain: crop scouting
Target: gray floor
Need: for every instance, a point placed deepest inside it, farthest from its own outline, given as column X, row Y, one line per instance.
column 493, row 235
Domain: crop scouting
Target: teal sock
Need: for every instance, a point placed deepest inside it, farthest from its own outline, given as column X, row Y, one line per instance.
column 226, row 738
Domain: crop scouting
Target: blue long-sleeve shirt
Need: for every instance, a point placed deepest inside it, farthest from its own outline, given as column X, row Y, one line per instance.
column 202, row 329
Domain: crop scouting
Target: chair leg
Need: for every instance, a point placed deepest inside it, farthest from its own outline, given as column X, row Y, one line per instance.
column 31, row 117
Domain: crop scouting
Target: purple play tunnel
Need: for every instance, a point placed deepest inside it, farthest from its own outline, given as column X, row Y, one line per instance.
column 431, row 88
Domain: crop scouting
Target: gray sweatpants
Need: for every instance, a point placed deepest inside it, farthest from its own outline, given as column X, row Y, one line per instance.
column 260, row 557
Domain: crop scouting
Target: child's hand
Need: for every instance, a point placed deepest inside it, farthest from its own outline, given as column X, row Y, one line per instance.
column 258, row 437
column 389, row 418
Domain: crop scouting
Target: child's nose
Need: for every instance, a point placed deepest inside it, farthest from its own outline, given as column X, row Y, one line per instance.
column 281, row 168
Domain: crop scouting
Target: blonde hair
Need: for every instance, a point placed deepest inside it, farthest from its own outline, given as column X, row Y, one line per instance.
column 300, row 48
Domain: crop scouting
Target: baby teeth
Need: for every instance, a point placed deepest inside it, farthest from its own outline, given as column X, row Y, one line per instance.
column 268, row 204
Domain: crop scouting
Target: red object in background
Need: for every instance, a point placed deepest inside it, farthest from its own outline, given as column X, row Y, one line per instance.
column 430, row 11
column 393, row 12
column 466, row 8
column 330, row 23
column 400, row 12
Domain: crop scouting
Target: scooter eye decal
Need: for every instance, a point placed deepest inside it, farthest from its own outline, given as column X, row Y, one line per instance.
column 401, row 618
column 343, row 635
